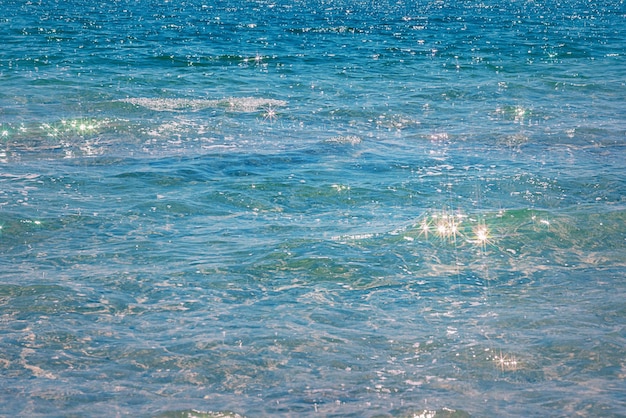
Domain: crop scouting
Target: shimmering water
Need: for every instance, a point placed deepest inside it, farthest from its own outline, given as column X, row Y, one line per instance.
column 301, row 208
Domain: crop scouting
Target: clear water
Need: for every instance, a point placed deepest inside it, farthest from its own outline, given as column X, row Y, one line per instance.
column 333, row 208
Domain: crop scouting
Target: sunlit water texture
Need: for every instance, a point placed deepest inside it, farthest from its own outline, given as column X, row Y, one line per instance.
column 242, row 209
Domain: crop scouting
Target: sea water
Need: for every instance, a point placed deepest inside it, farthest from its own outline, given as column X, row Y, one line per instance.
column 313, row 208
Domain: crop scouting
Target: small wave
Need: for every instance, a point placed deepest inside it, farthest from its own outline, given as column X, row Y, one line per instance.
column 334, row 29
column 199, row 414
column 352, row 237
column 236, row 104
column 441, row 413
column 513, row 141
column 345, row 139
column 170, row 105
column 250, row 104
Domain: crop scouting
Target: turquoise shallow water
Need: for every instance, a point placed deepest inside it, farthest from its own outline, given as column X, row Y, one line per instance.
column 312, row 208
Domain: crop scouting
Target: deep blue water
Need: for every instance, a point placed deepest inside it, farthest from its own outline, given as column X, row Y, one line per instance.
column 313, row 208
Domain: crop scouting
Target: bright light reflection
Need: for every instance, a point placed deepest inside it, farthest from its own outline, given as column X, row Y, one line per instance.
column 451, row 227
column 69, row 127
column 481, row 234
column 506, row 362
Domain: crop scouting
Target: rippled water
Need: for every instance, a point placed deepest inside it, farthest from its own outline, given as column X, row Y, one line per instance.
column 312, row 208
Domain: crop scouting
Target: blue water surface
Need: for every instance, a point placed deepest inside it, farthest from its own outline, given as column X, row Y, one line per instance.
column 313, row 208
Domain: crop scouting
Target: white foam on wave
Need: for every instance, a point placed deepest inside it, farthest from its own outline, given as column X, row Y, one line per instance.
column 352, row 237
column 235, row 104
column 170, row 105
column 251, row 104
column 345, row 139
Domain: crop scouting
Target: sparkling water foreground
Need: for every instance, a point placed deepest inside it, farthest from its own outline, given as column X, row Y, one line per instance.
column 312, row 209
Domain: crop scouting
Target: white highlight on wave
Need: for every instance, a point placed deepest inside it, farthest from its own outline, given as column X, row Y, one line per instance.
column 235, row 104
column 345, row 139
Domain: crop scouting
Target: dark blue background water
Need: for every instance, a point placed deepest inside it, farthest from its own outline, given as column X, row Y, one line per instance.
column 346, row 208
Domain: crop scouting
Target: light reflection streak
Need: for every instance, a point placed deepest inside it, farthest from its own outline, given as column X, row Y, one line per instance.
column 70, row 127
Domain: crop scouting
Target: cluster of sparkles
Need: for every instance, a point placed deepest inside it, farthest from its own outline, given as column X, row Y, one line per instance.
column 506, row 362
column 62, row 130
column 451, row 227
column 455, row 229
column 518, row 114
column 70, row 128
column 7, row 130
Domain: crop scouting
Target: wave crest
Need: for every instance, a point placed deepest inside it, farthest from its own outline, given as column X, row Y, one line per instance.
column 235, row 104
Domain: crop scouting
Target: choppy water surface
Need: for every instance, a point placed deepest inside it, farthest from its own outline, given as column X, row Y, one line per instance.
column 312, row 208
